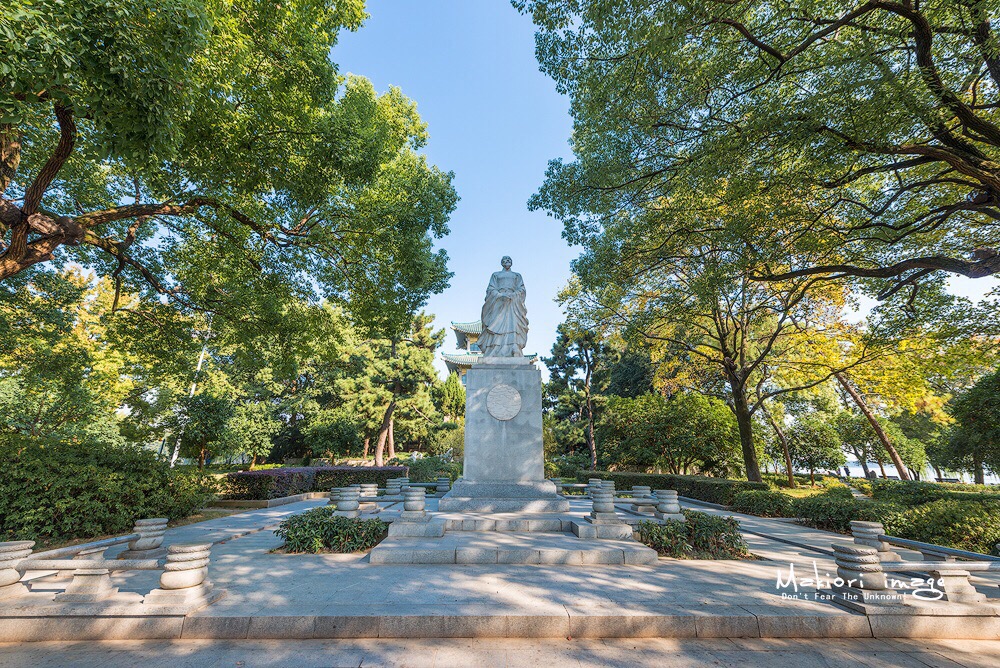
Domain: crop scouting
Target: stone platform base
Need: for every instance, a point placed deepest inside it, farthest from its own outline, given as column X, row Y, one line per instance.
column 510, row 548
column 515, row 497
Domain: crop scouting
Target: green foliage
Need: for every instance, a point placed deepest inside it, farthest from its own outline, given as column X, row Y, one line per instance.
column 913, row 493
column 215, row 156
column 328, row 477
column 827, row 115
column 701, row 536
column 249, row 431
column 713, row 490
column 688, row 431
column 834, row 509
column 815, row 444
column 429, row 469
column 201, row 421
column 965, row 525
column 332, row 434
column 451, row 397
column 319, row 530
column 763, row 503
column 975, row 443
column 62, row 491
column 566, row 466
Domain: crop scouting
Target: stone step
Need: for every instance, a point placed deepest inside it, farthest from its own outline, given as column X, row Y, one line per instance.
column 510, row 548
column 514, row 525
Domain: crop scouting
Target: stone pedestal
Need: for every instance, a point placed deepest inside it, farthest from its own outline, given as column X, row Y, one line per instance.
column 504, row 469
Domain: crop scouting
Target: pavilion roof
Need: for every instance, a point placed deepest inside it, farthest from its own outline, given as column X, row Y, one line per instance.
column 474, row 327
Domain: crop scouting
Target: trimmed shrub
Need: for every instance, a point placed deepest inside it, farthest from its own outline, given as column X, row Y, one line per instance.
column 328, row 477
column 703, row 488
column 319, row 530
column 763, row 503
column 64, row 491
column 834, row 509
column 287, row 481
column 913, row 493
column 702, row 536
column 429, row 469
column 270, row 484
column 965, row 525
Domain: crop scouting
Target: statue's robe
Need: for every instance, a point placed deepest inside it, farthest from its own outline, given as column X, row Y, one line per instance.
column 504, row 316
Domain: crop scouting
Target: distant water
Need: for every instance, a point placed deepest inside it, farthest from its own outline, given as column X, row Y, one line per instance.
column 926, row 474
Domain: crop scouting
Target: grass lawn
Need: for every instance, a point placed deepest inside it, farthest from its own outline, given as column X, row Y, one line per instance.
column 800, row 492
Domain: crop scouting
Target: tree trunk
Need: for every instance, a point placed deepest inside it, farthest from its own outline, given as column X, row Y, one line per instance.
column 812, row 477
column 880, row 466
column 591, row 442
column 383, row 434
column 977, row 470
column 859, row 400
column 201, row 459
column 392, row 438
column 368, row 445
column 937, row 472
column 745, row 422
column 784, row 446
column 253, row 462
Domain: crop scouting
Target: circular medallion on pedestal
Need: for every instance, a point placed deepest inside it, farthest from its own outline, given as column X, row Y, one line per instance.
column 503, row 402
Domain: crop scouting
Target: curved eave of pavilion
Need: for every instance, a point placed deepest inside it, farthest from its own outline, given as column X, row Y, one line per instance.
column 464, row 329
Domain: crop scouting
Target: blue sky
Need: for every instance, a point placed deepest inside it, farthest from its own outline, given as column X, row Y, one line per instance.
column 494, row 120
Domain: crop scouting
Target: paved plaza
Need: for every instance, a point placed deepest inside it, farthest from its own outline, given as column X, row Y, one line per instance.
column 496, row 653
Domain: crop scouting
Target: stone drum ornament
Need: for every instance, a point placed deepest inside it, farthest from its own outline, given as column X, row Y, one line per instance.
column 503, row 402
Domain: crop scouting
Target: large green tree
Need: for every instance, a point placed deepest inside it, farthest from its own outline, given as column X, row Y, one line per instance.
column 208, row 151
column 975, row 444
column 873, row 127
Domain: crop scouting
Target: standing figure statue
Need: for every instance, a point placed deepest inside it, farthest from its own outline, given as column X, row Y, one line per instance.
column 505, row 318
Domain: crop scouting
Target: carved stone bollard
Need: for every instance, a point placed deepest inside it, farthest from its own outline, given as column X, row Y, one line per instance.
column 334, row 496
column 867, row 533
column 414, row 502
column 393, row 487
column 667, row 506
column 183, row 580
column 593, row 484
column 404, row 484
column 558, row 483
column 863, row 580
column 642, row 499
column 956, row 587
column 149, row 544
column 89, row 585
column 604, row 508
column 369, row 490
column 10, row 554
column 349, row 503
column 443, row 485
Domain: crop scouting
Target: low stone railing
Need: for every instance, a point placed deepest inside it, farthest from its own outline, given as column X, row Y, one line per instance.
column 184, row 566
column 871, row 558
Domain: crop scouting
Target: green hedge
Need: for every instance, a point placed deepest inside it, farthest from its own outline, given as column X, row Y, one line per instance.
column 328, row 477
column 834, row 509
column 429, row 469
column 288, row 481
column 319, row 530
column 965, row 525
column 762, row 502
column 57, row 492
column 702, row 536
column 703, row 488
column 913, row 493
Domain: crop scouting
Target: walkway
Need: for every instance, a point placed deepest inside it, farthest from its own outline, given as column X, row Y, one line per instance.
column 458, row 653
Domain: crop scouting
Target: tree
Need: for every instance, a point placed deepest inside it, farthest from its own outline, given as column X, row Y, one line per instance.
column 815, row 444
column 210, row 152
column 452, row 398
column 576, row 356
column 874, row 123
column 249, row 431
column 975, row 442
column 201, row 421
column 684, row 433
column 404, row 367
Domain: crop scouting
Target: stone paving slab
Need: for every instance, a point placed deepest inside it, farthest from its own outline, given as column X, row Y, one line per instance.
column 457, row 653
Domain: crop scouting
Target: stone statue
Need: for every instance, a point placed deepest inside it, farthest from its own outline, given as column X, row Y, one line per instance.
column 505, row 318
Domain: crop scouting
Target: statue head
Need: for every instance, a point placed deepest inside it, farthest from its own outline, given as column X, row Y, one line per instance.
column 505, row 262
